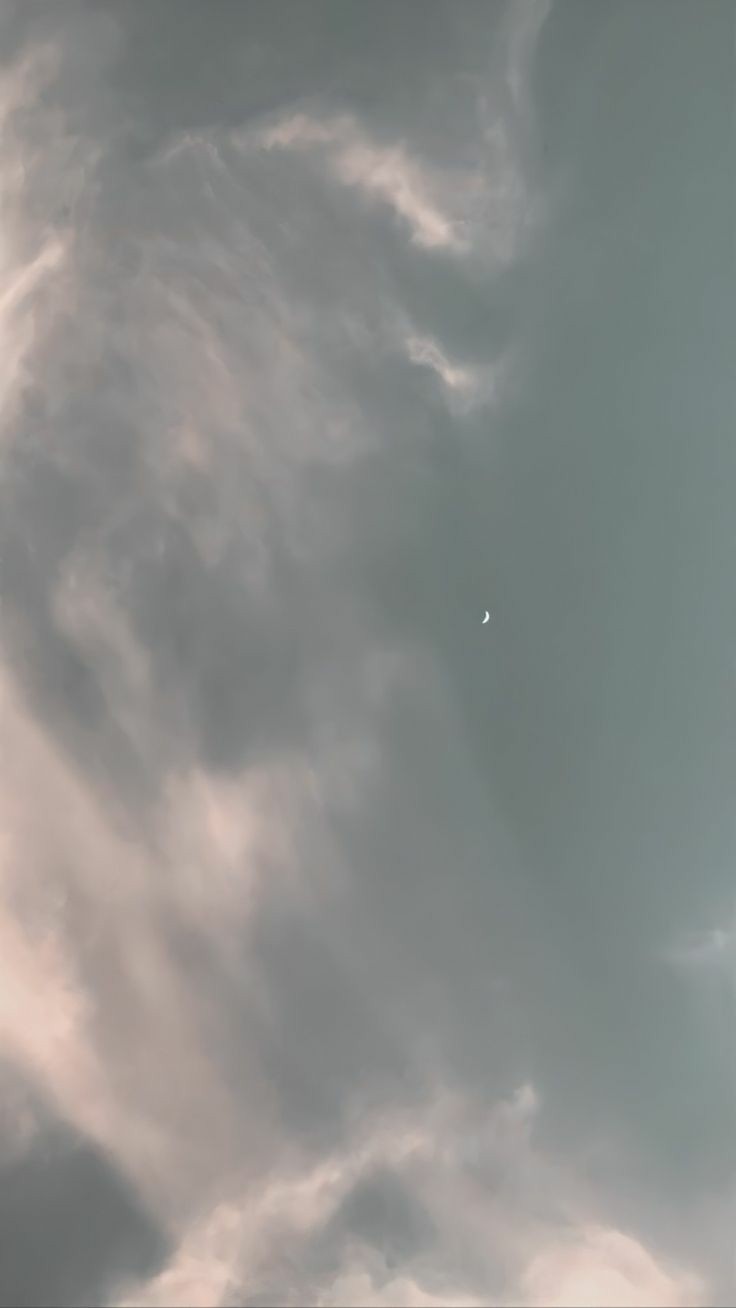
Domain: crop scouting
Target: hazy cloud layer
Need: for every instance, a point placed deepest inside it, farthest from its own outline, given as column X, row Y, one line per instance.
column 352, row 952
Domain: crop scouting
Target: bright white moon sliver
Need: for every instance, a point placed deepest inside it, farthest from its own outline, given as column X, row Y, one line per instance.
column 486, row 618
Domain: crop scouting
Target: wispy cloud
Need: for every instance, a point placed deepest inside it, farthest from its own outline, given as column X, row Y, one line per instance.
column 711, row 948
column 466, row 386
column 384, row 173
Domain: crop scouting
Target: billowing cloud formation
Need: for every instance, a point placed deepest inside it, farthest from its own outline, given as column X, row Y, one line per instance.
column 349, row 951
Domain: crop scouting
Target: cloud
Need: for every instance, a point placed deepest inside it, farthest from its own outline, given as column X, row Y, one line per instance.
column 478, row 207
column 293, row 857
column 604, row 1269
column 30, row 272
column 525, row 23
column 712, row 948
column 200, row 1272
column 357, row 1289
column 466, row 386
column 384, row 173
column 402, row 1219
column 63, row 1195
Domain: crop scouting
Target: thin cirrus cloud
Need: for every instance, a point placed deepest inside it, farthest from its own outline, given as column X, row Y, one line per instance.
column 324, row 973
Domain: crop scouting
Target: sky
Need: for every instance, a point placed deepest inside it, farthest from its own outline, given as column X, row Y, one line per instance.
column 354, row 952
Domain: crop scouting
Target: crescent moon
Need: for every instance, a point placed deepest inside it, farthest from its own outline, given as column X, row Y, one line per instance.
column 486, row 618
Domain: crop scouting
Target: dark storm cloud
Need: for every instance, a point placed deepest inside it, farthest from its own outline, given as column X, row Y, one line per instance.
column 71, row 1228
